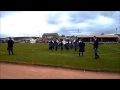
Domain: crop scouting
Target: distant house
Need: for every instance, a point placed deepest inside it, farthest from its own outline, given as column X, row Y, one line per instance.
column 118, row 34
column 3, row 40
column 49, row 36
column 101, row 38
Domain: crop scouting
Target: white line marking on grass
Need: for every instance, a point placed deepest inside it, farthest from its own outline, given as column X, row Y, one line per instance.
column 85, row 55
column 62, row 54
column 116, row 49
column 74, row 55
column 2, row 52
column 34, row 49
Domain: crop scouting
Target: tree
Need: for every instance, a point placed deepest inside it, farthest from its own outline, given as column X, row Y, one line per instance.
column 67, row 36
column 62, row 35
column 102, row 33
column 72, row 36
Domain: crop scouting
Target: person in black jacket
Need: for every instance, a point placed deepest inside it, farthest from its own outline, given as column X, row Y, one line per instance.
column 10, row 46
column 56, row 45
column 75, row 45
column 96, row 48
column 51, row 45
column 61, row 45
column 67, row 45
column 81, row 47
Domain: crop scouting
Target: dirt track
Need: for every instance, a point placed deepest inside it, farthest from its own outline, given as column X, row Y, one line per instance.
column 19, row 71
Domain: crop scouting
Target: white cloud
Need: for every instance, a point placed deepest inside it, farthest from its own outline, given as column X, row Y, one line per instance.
column 26, row 22
column 104, row 20
column 101, row 20
column 30, row 23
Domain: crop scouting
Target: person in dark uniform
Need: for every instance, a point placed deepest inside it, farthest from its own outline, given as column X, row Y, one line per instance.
column 67, row 45
column 75, row 45
column 10, row 46
column 61, row 45
column 96, row 47
column 71, row 45
column 51, row 45
column 56, row 45
column 81, row 47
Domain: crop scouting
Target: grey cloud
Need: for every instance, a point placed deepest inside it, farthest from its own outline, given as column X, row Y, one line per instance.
column 83, row 16
column 99, row 30
column 6, row 13
column 91, row 29
column 77, row 17
column 53, row 18
column 110, row 13
column 3, row 35
column 68, row 31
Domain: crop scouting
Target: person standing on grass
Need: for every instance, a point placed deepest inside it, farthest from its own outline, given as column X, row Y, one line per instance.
column 10, row 46
column 61, row 45
column 71, row 45
column 81, row 47
column 95, row 47
column 56, row 45
column 51, row 45
column 67, row 45
column 75, row 45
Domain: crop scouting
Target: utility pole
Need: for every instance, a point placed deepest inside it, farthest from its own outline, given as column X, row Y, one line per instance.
column 78, row 31
column 39, row 34
column 77, row 35
column 116, row 30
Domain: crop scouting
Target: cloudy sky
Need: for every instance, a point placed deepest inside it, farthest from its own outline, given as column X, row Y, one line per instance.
column 35, row 23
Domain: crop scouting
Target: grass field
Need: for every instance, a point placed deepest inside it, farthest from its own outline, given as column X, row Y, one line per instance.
column 39, row 53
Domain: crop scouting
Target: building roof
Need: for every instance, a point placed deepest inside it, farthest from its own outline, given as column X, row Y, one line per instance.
column 50, row 34
column 98, row 36
column 117, row 34
column 62, row 37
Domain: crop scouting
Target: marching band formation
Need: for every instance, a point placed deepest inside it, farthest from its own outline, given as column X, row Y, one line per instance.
column 76, row 44
column 67, row 45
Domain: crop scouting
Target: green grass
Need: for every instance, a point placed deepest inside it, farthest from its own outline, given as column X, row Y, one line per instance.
column 39, row 53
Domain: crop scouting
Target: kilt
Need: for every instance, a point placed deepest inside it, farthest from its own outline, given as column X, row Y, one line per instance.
column 10, row 48
column 95, row 50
